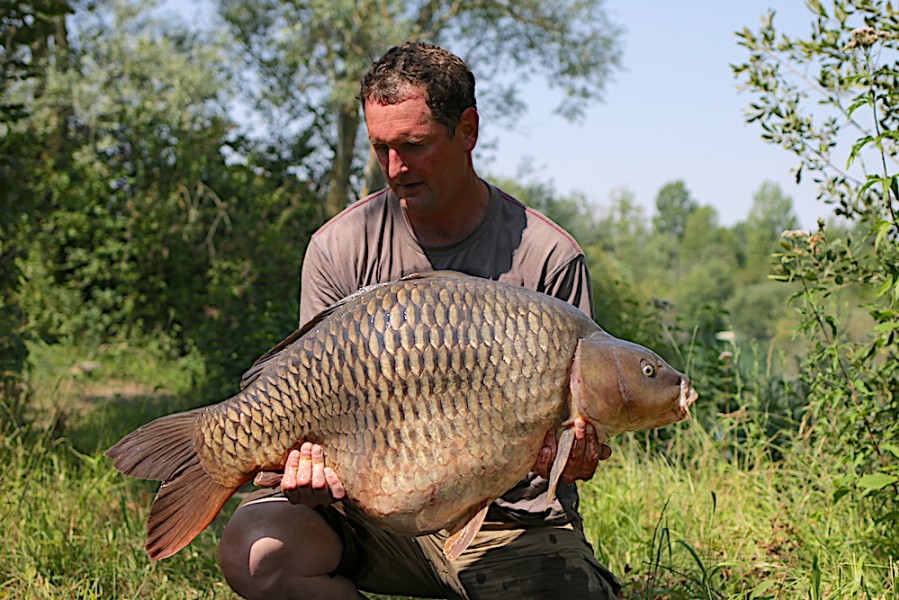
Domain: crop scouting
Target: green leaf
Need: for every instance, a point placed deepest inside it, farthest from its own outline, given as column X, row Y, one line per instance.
column 857, row 104
column 882, row 328
column 881, row 229
column 856, row 148
column 877, row 481
column 839, row 493
column 761, row 589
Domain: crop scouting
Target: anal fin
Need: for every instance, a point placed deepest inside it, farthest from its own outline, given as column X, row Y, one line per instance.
column 461, row 538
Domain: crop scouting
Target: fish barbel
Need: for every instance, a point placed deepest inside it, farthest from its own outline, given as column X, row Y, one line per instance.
column 430, row 395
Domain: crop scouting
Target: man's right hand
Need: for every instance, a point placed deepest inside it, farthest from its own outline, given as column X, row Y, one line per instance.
column 306, row 479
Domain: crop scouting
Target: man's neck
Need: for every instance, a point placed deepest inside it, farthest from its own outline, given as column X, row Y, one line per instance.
column 454, row 221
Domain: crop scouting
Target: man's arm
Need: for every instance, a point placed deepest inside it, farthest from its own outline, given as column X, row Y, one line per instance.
column 320, row 286
column 572, row 284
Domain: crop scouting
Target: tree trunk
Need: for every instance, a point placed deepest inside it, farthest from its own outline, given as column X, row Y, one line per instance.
column 374, row 176
column 347, row 129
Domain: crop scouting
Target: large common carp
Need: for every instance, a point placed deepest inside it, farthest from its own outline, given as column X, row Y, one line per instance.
column 431, row 397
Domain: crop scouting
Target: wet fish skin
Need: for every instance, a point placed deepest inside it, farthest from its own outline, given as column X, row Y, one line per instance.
column 431, row 397
column 437, row 375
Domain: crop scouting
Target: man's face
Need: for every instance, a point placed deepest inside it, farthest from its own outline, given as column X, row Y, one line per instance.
column 423, row 164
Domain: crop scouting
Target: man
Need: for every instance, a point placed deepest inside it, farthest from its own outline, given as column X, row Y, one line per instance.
column 422, row 122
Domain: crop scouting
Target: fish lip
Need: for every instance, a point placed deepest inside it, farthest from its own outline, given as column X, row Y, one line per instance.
column 688, row 395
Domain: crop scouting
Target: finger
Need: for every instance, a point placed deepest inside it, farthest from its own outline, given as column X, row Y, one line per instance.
column 291, row 467
column 575, row 460
column 580, row 428
column 318, row 467
column 544, row 461
column 591, row 454
column 334, row 483
column 543, row 464
column 605, row 451
column 304, row 468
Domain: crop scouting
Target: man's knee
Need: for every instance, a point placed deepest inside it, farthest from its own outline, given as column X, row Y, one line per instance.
column 241, row 540
column 270, row 547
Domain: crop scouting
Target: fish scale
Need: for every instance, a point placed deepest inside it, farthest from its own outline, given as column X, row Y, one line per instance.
column 431, row 396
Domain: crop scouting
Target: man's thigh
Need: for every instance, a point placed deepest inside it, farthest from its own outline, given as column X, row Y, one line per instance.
column 533, row 563
column 382, row 562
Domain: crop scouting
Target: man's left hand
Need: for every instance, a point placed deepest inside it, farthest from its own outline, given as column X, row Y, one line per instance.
column 586, row 452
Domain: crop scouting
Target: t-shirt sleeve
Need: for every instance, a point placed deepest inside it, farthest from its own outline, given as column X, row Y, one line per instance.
column 319, row 287
column 571, row 283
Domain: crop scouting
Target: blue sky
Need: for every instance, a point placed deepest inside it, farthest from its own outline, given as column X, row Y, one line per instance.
column 674, row 112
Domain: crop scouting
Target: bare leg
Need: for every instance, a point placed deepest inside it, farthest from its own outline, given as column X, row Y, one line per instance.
column 274, row 549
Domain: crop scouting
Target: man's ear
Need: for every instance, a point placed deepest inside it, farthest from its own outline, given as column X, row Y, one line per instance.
column 468, row 128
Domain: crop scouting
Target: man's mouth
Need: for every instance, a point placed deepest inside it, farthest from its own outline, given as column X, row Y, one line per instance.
column 407, row 187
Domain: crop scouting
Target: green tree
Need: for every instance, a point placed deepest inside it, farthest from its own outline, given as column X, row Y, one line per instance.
column 137, row 122
column 25, row 33
column 704, row 239
column 674, row 205
column 770, row 215
column 145, row 228
column 755, row 309
column 830, row 98
column 629, row 279
column 307, row 57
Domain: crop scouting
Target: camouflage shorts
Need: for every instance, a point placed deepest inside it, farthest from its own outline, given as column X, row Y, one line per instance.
column 505, row 561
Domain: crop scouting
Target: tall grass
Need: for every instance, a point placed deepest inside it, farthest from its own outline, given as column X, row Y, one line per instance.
column 74, row 529
column 718, row 512
column 691, row 522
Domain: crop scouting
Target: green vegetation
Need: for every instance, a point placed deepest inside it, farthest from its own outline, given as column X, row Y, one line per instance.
column 150, row 249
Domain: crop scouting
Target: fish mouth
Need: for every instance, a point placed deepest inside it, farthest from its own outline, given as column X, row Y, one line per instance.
column 688, row 396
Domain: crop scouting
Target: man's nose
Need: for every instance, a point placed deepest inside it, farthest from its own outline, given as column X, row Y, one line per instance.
column 395, row 164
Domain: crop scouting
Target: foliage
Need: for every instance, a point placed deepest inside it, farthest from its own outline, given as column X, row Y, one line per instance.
column 830, row 98
column 26, row 30
column 674, row 205
column 142, row 230
column 306, row 59
column 770, row 215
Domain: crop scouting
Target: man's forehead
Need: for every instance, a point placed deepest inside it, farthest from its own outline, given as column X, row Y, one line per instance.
column 409, row 118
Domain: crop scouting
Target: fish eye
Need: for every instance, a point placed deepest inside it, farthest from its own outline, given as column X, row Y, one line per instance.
column 647, row 368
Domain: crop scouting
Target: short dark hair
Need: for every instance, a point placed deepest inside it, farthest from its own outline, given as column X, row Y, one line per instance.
column 447, row 81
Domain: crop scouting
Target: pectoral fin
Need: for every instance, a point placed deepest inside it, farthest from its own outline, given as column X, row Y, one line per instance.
column 461, row 538
column 566, row 442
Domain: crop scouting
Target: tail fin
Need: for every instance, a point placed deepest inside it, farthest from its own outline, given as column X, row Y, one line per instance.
column 189, row 498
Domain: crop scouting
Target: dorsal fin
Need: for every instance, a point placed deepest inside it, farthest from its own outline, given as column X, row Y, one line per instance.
column 253, row 372
column 435, row 274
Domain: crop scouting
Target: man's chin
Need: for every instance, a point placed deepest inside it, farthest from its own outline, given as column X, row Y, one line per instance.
column 413, row 197
column 410, row 191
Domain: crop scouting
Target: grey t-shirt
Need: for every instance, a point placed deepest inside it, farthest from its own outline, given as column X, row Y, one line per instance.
column 371, row 242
